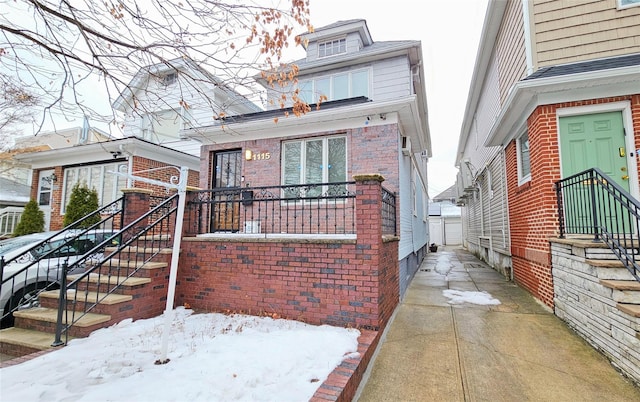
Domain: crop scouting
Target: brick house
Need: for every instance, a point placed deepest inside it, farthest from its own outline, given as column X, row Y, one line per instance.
column 544, row 72
column 372, row 121
column 154, row 114
column 55, row 172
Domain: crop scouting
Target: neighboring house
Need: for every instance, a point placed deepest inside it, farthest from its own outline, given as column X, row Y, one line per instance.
column 16, row 175
column 372, row 121
column 555, row 91
column 163, row 99
column 55, row 172
column 445, row 222
column 159, row 101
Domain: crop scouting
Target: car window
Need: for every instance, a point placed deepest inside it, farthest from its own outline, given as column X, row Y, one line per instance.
column 8, row 245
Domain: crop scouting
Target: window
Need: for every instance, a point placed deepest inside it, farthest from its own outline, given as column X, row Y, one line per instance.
column 97, row 177
column 628, row 3
column 335, row 87
column 313, row 161
column 332, row 47
column 163, row 125
column 524, row 163
column 169, row 79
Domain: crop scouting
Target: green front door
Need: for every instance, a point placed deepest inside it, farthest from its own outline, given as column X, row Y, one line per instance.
column 594, row 140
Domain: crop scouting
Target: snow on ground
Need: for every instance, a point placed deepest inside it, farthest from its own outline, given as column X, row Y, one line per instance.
column 460, row 297
column 213, row 357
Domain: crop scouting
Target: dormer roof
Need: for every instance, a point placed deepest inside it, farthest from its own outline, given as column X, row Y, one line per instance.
column 337, row 29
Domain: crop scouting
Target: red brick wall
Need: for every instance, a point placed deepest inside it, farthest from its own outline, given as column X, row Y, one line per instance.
column 533, row 214
column 139, row 164
column 367, row 152
column 337, row 282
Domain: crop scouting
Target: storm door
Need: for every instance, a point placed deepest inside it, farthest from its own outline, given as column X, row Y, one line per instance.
column 226, row 182
column 594, row 140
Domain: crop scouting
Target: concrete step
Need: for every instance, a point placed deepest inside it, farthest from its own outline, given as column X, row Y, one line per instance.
column 623, row 291
column 19, row 341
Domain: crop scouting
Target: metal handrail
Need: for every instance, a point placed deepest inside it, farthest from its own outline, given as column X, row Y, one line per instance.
column 148, row 234
column 47, row 276
column 590, row 202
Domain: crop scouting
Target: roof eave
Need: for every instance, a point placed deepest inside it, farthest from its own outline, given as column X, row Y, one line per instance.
column 526, row 95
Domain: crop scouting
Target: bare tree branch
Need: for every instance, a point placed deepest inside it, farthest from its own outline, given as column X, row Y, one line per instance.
column 60, row 49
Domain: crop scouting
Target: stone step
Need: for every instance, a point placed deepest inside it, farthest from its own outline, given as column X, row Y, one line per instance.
column 116, row 263
column 112, row 280
column 19, row 341
column 141, row 250
column 51, row 315
column 623, row 291
column 90, row 297
column 631, row 309
column 611, row 269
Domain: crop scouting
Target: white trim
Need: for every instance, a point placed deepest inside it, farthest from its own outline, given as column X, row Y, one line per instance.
column 627, row 123
column 621, row 6
column 522, row 179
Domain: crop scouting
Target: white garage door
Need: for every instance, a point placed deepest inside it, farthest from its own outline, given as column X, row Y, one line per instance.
column 452, row 231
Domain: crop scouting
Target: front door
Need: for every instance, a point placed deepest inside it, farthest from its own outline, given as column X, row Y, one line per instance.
column 594, row 140
column 45, row 187
column 226, row 182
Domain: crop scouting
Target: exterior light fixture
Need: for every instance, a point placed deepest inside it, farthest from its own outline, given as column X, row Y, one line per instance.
column 248, row 155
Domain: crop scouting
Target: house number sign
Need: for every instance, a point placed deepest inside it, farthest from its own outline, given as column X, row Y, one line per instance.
column 261, row 156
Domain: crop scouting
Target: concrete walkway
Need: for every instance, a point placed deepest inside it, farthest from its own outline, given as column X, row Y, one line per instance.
column 515, row 351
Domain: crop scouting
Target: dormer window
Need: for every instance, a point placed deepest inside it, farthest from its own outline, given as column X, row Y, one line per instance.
column 332, row 47
column 169, row 79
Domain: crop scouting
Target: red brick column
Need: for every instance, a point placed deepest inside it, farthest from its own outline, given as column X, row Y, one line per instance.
column 136, row 204
column 376, row 255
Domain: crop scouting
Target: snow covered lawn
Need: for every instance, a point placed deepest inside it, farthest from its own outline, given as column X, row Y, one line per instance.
column 213, row 357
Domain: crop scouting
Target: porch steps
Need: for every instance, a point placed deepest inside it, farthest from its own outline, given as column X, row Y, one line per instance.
column 27, row 341
column 138, row 297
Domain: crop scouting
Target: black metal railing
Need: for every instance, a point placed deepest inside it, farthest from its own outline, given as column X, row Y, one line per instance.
column 388, row 212
column 141, row 240
column 38, row 268
column 325, row 208
column 591, row 203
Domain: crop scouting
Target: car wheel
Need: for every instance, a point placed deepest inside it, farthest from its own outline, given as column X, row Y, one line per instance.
column 25, row 298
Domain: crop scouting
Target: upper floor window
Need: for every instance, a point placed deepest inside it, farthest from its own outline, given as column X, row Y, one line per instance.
column 107, row 185
column 628, row 3
column 335, row 87
column 169, row 79
column 524, row 163
column 332, row 47
column 164, row 125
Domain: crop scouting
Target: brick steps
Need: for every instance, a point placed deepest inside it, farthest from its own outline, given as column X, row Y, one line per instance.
column 140, row 296
column 21, row 341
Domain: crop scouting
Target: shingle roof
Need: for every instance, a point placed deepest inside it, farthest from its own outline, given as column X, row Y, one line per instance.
column 586, row 66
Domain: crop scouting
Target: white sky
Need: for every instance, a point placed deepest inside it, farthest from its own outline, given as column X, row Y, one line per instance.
column 213, row 357
column 449, row 32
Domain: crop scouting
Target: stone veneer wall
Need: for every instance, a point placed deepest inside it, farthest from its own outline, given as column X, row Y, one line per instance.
column 589, row 309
